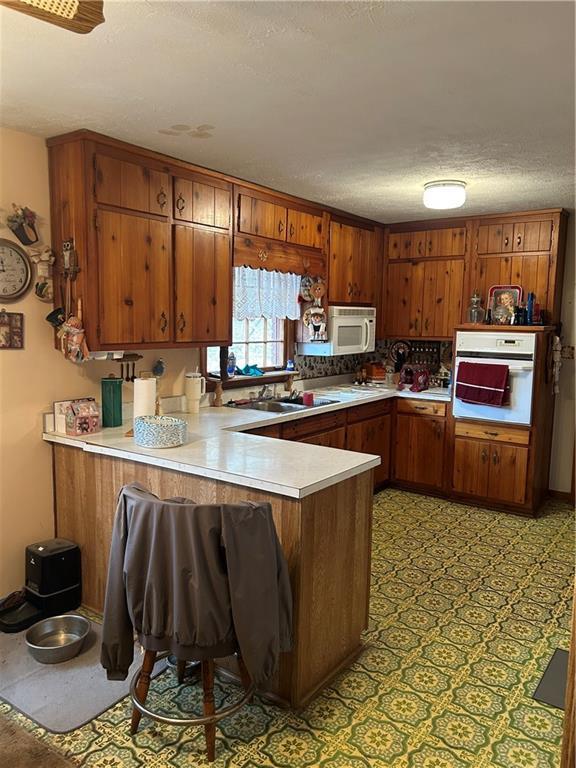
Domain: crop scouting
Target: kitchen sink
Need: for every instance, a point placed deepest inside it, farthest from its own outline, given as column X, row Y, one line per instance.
column 284, row 406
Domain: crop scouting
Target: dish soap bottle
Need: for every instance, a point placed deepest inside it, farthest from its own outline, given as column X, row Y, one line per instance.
column 476, row 311
column 231, row 365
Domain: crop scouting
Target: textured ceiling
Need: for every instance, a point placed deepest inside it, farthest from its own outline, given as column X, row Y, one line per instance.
column 355, row 104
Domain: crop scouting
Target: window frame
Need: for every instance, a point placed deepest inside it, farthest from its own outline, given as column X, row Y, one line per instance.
column 289, row 338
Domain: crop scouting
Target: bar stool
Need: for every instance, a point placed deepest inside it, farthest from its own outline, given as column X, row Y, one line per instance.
column 140, row 685
column 195, row 582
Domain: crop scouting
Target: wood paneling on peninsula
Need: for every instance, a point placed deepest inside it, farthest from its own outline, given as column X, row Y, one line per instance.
column 326, row 539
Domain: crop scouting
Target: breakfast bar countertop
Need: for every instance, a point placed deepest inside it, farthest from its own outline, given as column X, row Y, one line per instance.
column 216, row 447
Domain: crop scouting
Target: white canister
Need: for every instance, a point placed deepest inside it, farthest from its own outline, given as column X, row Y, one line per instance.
column 194, row 388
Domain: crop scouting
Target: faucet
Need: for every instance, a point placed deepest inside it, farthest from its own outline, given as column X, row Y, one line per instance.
column 265, row 393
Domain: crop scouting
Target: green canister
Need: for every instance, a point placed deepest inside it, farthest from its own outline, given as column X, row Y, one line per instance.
column 111, row 401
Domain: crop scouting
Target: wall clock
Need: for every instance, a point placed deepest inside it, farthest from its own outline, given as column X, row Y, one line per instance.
column 15, row 271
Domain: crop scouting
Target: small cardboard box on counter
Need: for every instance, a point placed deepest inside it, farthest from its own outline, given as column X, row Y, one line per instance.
column 82, row 417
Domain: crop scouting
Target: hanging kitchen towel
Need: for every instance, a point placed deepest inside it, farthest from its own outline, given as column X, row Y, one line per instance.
column 483, row 383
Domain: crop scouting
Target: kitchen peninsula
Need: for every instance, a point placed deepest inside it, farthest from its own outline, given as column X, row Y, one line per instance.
column 322, row 506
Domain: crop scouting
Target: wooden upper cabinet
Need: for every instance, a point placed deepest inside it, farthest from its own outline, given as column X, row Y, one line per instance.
column 304, row 229
column 135, row 279
column 130, row 185
column 261, row 217
column 201, row 201
column 442, row 297
column 514, row 237
column 203, row 286
column 431, row 243
column 353, row 265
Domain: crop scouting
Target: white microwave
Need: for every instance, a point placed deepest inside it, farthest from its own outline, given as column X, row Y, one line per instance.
column 351, row 331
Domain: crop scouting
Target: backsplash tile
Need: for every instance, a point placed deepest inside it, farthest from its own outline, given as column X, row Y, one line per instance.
column 314, row 367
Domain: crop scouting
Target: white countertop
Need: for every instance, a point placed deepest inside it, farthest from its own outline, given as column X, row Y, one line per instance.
column 218, row 449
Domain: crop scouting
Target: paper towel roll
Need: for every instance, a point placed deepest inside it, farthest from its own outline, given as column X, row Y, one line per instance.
column 144, row 397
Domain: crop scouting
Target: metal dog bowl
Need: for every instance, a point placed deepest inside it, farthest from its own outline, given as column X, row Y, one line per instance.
column 58, row 638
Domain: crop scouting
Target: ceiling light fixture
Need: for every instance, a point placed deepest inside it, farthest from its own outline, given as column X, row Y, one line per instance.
column 444, row 194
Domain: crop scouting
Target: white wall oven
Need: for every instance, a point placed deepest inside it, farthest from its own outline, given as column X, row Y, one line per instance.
column 517, row 351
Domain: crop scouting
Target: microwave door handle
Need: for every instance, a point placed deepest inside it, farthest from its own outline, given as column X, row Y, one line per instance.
column 366, row 334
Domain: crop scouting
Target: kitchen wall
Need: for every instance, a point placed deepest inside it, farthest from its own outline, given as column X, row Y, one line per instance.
column 562, row 461
column 32, row 378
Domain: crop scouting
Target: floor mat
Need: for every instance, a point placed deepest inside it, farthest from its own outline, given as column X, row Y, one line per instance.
column 552, row 687
column 60, row 697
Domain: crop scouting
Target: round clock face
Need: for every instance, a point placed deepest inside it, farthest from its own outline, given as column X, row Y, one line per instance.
column 15, row 271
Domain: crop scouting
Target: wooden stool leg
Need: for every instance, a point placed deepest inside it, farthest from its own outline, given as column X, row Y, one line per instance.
column 181, row 670
column 142, row 687
column 244, row 674
column 208, row 687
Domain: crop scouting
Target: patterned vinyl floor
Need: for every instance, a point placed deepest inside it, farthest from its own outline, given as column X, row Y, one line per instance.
column 467, row 607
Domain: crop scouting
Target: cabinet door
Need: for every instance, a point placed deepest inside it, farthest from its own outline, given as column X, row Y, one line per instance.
column 442, row 297
column 344, row 242
column 372, row 436
column 261, row 217
column 135, row 279
column 519, row 236
column 130, row 185
column 364, row 278
column 529, row 270
column 203, row 285
column 158, row 192
column 419, row 456
column 471, row 466
column 508, row 473
column 398, row 292
column 335, row 438
column 304, row 229
column 201, row 203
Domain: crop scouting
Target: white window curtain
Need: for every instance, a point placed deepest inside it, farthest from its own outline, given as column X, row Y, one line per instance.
column 261, row 293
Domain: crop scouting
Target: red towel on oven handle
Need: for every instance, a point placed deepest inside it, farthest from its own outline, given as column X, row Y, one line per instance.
column 483, row 383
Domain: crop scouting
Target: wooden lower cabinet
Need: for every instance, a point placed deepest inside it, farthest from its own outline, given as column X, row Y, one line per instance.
column 335, row 438
column 419, row 450
column 491, row 470
column 372, row 436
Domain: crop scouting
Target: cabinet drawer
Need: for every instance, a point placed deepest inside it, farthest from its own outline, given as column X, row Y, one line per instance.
column 368, row 411
column 272, row 430
column 294, row 430
column 425, row 407
column 504, row 434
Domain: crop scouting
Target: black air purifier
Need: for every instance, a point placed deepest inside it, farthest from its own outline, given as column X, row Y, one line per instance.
column 53, row 584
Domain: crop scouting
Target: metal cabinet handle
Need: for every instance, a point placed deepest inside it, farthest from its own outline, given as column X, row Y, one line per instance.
column 495, row 458
column 291, row 230
column 181, row 323
column 161, row 198
column 519, row 240
column 163, row 322
column 506, row 240
column 419, row 407
column 180, row 203
column 492, row 434
column 484, row 456
column 280, row 227
column 129, row 302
